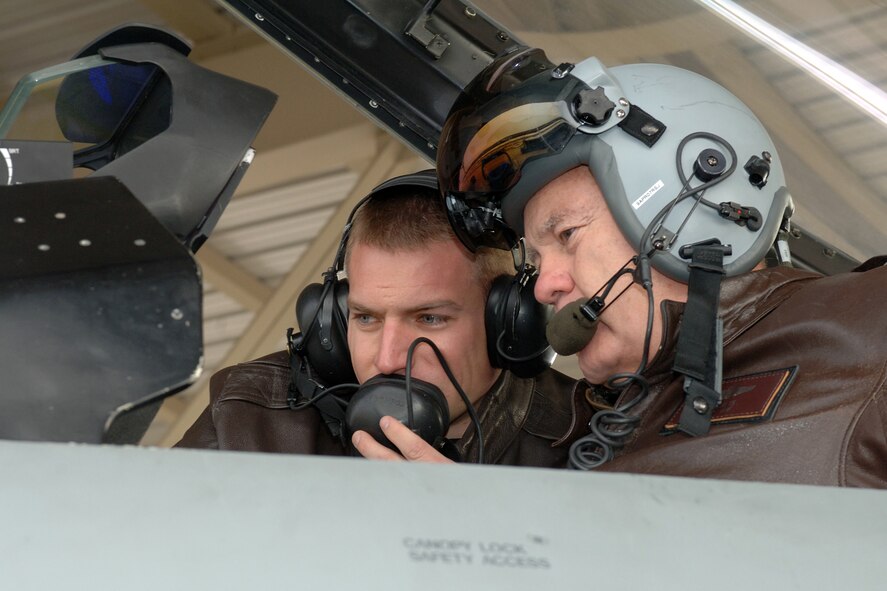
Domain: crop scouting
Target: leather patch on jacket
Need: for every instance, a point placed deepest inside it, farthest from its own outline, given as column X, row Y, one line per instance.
column 746, row 399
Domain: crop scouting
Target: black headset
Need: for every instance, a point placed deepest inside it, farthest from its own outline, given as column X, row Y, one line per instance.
column 514, row 320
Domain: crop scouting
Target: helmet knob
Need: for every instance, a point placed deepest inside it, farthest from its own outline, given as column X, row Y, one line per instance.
column 593, row 106
column 709, row 164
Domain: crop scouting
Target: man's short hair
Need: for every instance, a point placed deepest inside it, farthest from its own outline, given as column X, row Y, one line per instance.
column 411, row 217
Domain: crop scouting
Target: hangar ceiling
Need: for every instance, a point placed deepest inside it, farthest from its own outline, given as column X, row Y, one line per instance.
column 317, row 154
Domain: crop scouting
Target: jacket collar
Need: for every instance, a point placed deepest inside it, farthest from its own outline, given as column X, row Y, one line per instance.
column 502, row 413
column 745, row 300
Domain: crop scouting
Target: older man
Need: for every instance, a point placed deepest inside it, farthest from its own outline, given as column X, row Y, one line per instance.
column 409, row 277
column 638, row 188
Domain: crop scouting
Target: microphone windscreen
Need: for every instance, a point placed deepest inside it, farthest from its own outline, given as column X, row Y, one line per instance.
column 569, row 330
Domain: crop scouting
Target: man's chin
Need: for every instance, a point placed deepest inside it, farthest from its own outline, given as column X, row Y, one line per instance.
column 591, row 370
column 593, row 365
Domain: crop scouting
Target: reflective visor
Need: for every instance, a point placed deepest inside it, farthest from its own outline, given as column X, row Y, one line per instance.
column 513, row 113
column 494, row 156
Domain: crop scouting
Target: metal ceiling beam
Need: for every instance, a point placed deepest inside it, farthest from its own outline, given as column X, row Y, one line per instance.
column 310, row 158
column 231, row 278
column 634, row 42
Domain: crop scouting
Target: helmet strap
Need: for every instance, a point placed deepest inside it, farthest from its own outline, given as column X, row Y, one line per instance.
column 699, row 354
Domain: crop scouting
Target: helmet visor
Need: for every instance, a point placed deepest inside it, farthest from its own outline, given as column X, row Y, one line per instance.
column 512, row 114
column 493, row 157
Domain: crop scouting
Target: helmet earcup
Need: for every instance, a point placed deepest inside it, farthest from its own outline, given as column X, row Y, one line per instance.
column 515, row 324
column 322, row 313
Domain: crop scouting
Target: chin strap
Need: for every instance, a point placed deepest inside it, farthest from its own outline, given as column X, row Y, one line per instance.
column 699, row 355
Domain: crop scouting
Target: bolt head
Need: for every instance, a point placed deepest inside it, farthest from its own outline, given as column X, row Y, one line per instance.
column 700, row 405
column 649, row 129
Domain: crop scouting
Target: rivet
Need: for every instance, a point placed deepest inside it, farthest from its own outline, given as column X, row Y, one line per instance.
column 259, row 17
column 470, row 12
column 620, row 113
column 623, row 102
column 374, row 104
column 700, row 405
column 85, row 242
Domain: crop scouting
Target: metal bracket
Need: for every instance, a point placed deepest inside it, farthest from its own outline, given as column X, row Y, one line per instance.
column 431, row 41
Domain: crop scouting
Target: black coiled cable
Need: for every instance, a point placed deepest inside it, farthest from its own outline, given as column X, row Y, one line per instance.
column 612, row 428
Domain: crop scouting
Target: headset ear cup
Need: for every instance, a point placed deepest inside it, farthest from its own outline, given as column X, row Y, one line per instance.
column 322, row 314
column 494, row 317
column 515, row 324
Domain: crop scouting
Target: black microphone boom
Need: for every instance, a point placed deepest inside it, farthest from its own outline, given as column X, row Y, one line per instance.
column 572, row 327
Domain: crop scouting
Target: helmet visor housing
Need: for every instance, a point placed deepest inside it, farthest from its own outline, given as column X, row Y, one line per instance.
column 491, row 133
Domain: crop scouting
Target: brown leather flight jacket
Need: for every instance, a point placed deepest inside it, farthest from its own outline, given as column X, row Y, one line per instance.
column 804, row 395
column 248, row 411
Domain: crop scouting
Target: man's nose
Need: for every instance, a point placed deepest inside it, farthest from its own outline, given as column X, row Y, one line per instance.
column 554, row 282
column 391, row 358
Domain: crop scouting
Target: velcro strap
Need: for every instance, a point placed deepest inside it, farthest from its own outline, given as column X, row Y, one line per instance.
column 642, row 126
column 698, row 355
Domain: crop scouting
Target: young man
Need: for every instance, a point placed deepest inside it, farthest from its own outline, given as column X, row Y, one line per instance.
column 408, row 277
column 638, row 189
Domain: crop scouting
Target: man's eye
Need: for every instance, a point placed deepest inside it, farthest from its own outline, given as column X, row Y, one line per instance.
column 363, row 319
column 565, row 235
column 431, row 319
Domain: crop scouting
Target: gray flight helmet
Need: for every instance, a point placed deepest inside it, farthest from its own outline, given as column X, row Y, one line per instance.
column 679, row 159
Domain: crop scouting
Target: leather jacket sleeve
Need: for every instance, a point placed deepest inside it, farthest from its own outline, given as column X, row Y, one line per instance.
column 202, row 434
column 248, row 411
